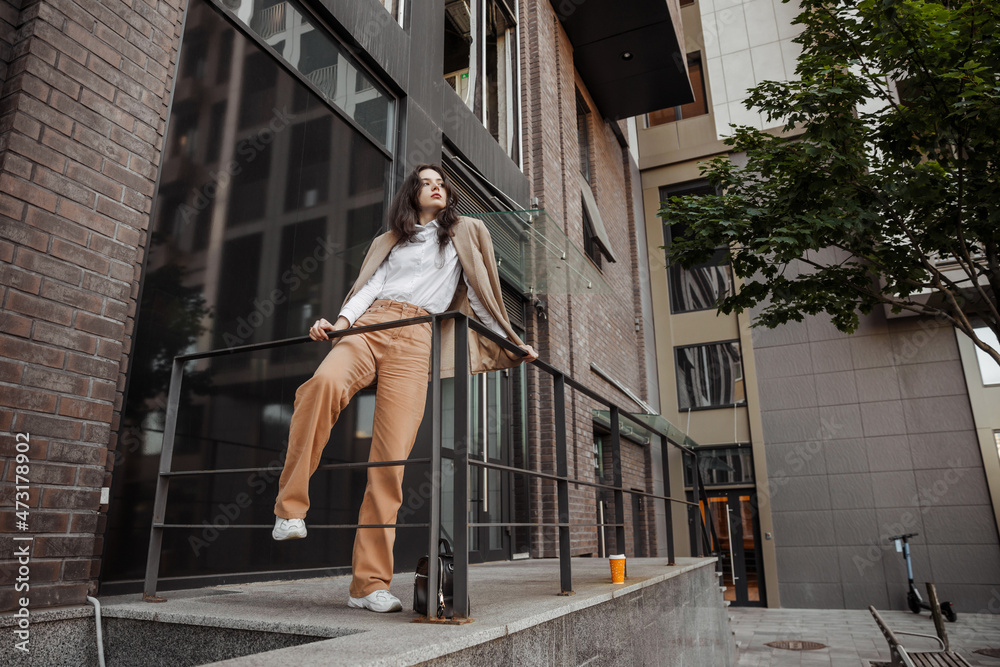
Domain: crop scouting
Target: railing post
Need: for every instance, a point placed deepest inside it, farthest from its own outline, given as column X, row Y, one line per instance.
column 162, row 482
column 669, row 506
column 434, row 536
column 616, row 466
column 461, row 534
column 696, row 508
column 562, row 485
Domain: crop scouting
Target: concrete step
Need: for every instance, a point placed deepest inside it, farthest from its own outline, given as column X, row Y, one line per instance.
column 661, row 615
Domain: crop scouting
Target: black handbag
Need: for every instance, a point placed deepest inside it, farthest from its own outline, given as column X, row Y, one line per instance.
column 446, row 583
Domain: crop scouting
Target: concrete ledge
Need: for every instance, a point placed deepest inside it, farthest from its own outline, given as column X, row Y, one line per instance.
column 661, row 615
column 507, row 598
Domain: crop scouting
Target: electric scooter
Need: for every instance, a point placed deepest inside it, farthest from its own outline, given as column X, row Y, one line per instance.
column 913, row 599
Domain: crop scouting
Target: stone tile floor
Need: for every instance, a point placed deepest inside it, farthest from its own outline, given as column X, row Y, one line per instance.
column 851, row 636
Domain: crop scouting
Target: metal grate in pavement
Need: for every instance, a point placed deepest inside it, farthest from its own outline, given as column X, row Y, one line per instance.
column 795, row 645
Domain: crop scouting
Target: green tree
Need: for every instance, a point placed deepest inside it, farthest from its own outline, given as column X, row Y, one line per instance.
column 882, row 189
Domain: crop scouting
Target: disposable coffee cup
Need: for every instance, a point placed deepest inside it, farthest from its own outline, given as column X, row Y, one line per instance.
column 617, row 569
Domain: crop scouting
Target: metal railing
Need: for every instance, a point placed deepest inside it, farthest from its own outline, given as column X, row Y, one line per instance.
column 462, row 461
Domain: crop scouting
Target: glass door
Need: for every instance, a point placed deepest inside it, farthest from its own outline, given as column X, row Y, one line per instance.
column 737, row 528
column 490, row 442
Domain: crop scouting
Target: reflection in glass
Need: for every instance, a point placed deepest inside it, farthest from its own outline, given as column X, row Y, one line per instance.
column 480, row 64
column 709, row 375
column 459, row 45
column 701, row 286
column 262, row 213
column 734, row 518
column 501, row 76
column 728, row 465
column 305, row 45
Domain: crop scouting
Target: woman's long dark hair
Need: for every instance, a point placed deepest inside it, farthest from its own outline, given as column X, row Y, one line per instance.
column 404, row 212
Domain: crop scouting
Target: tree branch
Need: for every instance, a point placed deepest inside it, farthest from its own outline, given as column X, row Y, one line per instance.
column 883, row 92
column 911, row 306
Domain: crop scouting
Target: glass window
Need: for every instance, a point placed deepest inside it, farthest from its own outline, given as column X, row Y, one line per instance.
column 709, row 376
column 195, row 55
column 988, row 368
column 591, row 244
column 391, row 6
column 480, row 64
column 218, row 117
column 310, row 48
column 296, row 313
column 583, row 134
column 501, row 75
column 459, row 49
column 260, row 75
column 699, row 107
column 257, row 231
column 309, row 164
column 701, row 286
column 723, row 465
column 185, row 137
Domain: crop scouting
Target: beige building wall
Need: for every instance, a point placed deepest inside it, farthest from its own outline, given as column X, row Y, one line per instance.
column 852, row 436
column 984, row 398
column 726, row 34
column 746, row 43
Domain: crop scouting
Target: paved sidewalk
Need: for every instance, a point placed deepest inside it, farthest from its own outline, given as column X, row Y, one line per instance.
column 851, row 636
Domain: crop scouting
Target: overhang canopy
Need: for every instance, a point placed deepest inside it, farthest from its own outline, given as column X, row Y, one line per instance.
column 629, row 54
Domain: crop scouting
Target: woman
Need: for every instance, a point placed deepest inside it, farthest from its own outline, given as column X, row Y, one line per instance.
column 412, row 270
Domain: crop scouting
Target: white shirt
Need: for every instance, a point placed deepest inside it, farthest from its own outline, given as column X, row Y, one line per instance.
column 420, row 272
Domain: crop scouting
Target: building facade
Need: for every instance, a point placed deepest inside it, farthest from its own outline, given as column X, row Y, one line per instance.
column 196, row 175
column 818, row 446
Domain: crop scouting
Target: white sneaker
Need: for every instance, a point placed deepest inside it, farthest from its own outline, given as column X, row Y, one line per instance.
column 380, row 601
column 288, row 529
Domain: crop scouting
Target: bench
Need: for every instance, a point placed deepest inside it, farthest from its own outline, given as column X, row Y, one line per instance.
column 900, row 656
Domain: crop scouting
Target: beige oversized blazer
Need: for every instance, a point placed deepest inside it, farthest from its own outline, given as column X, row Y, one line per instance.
column 475, row 253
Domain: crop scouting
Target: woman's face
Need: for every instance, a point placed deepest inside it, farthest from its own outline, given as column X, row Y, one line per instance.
column 433, row 197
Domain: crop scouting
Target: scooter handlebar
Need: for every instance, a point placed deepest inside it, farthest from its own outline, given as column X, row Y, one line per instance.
column 902, row 537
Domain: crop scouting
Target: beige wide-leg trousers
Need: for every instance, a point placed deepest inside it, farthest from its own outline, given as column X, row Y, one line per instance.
column 400, row 358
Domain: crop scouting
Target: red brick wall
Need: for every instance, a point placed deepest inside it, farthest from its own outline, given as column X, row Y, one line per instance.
column 577, row 330
column 9, row 18
column 82, row 115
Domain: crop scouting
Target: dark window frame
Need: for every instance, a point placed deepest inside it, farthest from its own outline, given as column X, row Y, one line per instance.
column 740, row 449
column 682, row 189
column 484, row 87
column 583, row 135
column 391, row 145
column 592, row 246
column 741, row 377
